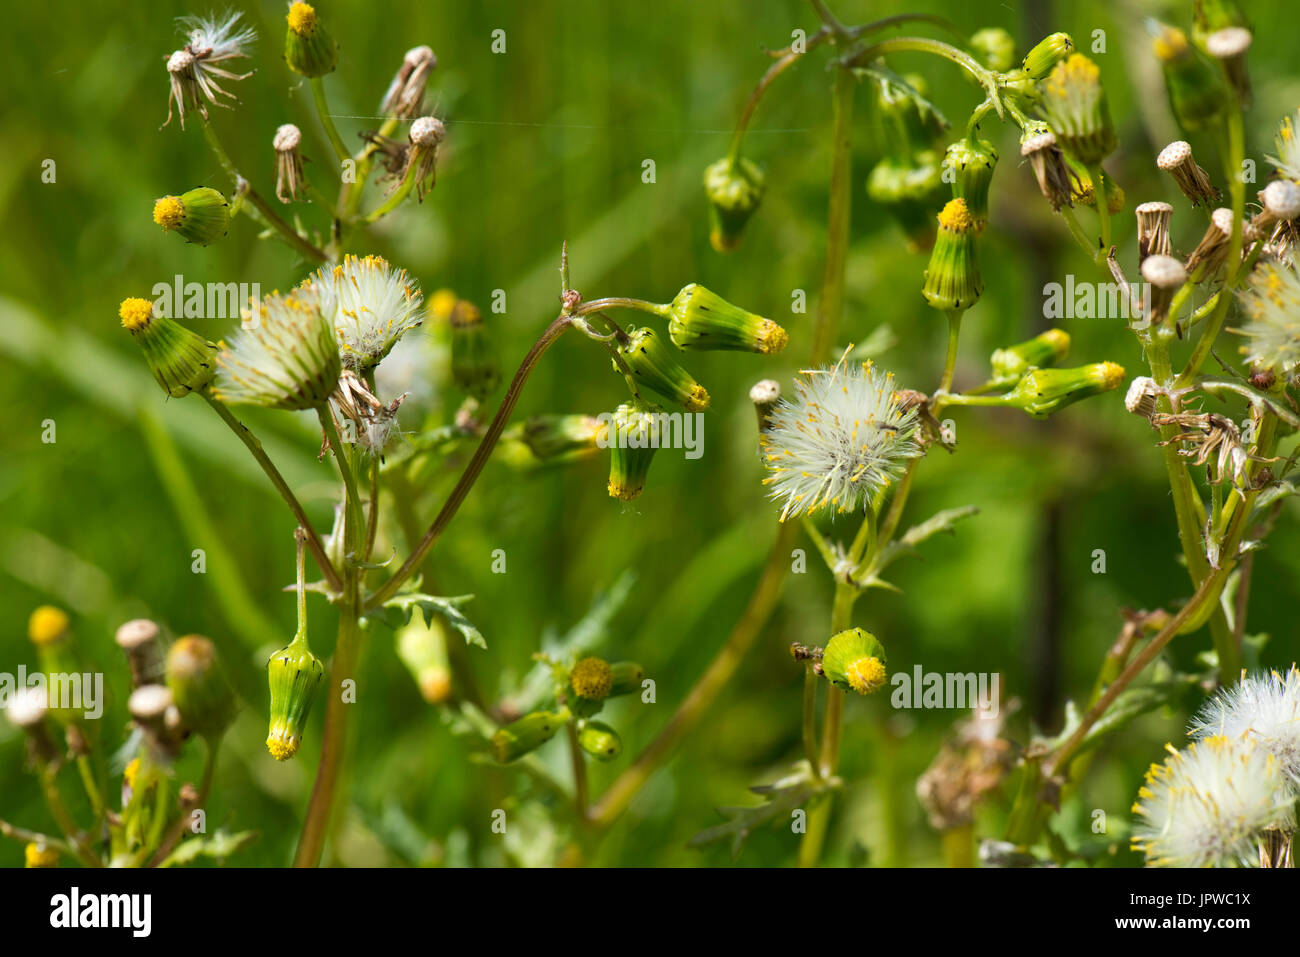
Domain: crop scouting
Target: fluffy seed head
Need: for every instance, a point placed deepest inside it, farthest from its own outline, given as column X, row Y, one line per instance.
column 374, row 305
column 1281, row 199
column 1287, row 145
column 1264, row 709
column 1271, row 301
column 842, row 438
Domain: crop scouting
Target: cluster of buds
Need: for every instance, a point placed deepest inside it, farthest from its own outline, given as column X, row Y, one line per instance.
column 909, row 181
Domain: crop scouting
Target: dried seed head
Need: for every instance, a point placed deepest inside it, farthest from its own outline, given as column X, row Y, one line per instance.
column 1153, row 229
column 1229, row 47
column 138, row 639
column 287, row 137
column 1166, row 276
column 765, row 394
column 1141, row 396
column 290, row 180
column 427, row 132
column 193, row 71
column 421, row 160
column 1176, row 160
column 405, row 97
column 1212, row 252
column 1055, row 181
column 1281, row 202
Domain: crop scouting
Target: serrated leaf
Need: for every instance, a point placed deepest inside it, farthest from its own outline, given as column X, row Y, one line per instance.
column 893, row 88
column 448, row 607
column 781, row 799
column 218, row 845
column 906, row 543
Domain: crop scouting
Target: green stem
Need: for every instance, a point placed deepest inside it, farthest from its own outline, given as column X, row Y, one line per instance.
column 830, row 307
column 327, row 119
column 355, row 523
column 810, row 682
column 950, row 363
column 579, row 772
column 396, row 199
column 964, row 60
column 50, row 788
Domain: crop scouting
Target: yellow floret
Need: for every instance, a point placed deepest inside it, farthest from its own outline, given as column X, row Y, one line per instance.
column 47, row 624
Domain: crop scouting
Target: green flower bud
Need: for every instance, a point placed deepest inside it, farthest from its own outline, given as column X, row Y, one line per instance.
column 1211, row 16
column 1197, row 94
column 551, row 439
column 1074, row 105
column 911, row 192
column 632, row 439
column 308, row 47
column 1044, row 391
column 700, row 319
column 180, row 360
column 655, row 366
column 600, row 740
column 516, row 739
column 953, row 279
column 1039, row 352
column 627, row 677
column 201, row 216
column 295, row 676
column 590, row 682
column 995, row 48
column 854, row 660
column 735, row 190
column 1043, row 58
column 199, row 687
column 423, row 649
column 899, row 109
column 972, row 161
column 474, row 365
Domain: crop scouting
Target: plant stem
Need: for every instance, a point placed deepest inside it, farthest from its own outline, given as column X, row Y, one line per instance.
column 396, row 199
column 775, row 70
column 937, row 48
column 950, row 363
column 205, row 787
column 327, row 119
column 830, row 306
column 254, row 446
column 579, row 772
column 475, row 464
column 356, row 524
column 50, row 788
column 810, row 682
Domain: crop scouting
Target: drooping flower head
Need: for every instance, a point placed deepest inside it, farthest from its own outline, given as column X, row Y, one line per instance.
column 1272, row 304
column 374, row 305
column 1263, row 709
column 288, row 358
column 1207, row 806
column 193, row 69
column 844, row 437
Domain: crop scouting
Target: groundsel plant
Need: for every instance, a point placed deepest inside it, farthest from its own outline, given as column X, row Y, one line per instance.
column 320, row 347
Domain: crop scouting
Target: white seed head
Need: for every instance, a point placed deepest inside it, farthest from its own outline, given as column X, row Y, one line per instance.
column 1163, row 271
column 765, row 392
column 420, row 56
column 287, row 137
column 374, row 305
column 27, row 707
column 1271, row 302
column 1141, row 396
column 149, row 702
column 1208, row 805
column 1262, row 708
column 427, row 131
column 135, row 634
column 1034, row 144
column 1281, row 198
column 214, row 39
column 1222, row 220
column 180, row 62
column 1228, row 43
column 1156, row 208
column 844, row 437
column 1174, row 155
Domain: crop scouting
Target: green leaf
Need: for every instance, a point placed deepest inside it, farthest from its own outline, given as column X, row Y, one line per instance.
column 781, row 799
column 894, row 87
column 449, row 608
column 906, row 544
column 218, row 845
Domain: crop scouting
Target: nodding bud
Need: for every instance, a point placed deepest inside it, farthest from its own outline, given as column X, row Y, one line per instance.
column 555, row 439
column 735, row 189
column 295, row 676
column 1211, row 253
column 199, row 686
column 1280, row 200
column 855, row 660
column 155, row 713
column 633, row 438
column 138, row 640
column 27, row 711
column 1153, row 229
column 700, row 319
column 995, row 48
column 39, row 855
column 1141, row 396
column 514, row 740
column 1074, row 105
column 474, row 365
column 920, row 130
column 181, row 361
column 201, row 216
column 653, row 365
column 599, row 740
column 1046, row 54
column 1044, row 350
column 590, row 682
column 952, row 279
column 1176, row 160
column 910, row 189
column 765, row 394
column 625, row 678
column 423, row 649
column 1055, row 181
column 1044, row 391
column 1197, row 95
column 309, row 49
column 405, row 97
column 290, row 180
column 1229, row 47
column 972, row 161
column 1166, row 276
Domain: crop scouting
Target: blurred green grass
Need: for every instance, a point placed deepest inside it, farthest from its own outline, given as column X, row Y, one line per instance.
column 546, row 143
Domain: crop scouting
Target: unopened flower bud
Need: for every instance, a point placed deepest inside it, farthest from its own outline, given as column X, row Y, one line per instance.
column 423, row 649
column 138, row 639
column 633, row 438
column 295, row 676
column 1176, row 160
column 1074, row 104
column 516, row 739
column 308, row 47
column 1153, row 229
column 735, row 189
column 405, row 97
column 290, row 180
column 911, row 190
column 1044, row 391
column 700, row 319
column 952, row 280
column 201, row 216
column 1166, row 276
column 181, row 361
column 474, row 365
column 654, row 366
column 1197, row 95
column 765, row 395
column 1046, row 54
column 855, row 660
column 590, row 683
column 899, row 106
column 1042, row 351
column 995, row 48
column 199, row 686
column 972, row 160
column 625, row 678
column 599, row 740
column 556, row 439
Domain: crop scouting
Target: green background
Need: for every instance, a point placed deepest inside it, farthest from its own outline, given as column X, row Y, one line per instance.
column 546, row 143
